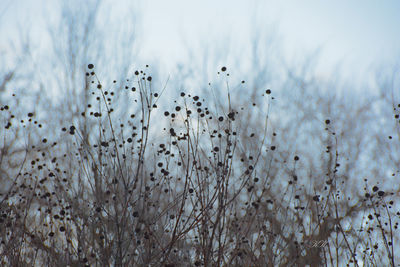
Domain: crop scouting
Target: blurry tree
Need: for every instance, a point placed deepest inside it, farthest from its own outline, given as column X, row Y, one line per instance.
column 86, row 33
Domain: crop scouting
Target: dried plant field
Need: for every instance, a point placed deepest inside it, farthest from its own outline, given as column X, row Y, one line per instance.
column 139, row 177
column 237, row 156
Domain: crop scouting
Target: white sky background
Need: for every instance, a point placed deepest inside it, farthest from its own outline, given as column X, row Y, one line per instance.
column 360, row 35
column 356, row 34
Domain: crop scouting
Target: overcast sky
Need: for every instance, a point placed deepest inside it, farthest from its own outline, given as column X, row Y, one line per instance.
column 358, row 34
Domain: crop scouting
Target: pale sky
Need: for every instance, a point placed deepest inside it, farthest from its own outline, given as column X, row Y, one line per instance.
column 357, row 34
